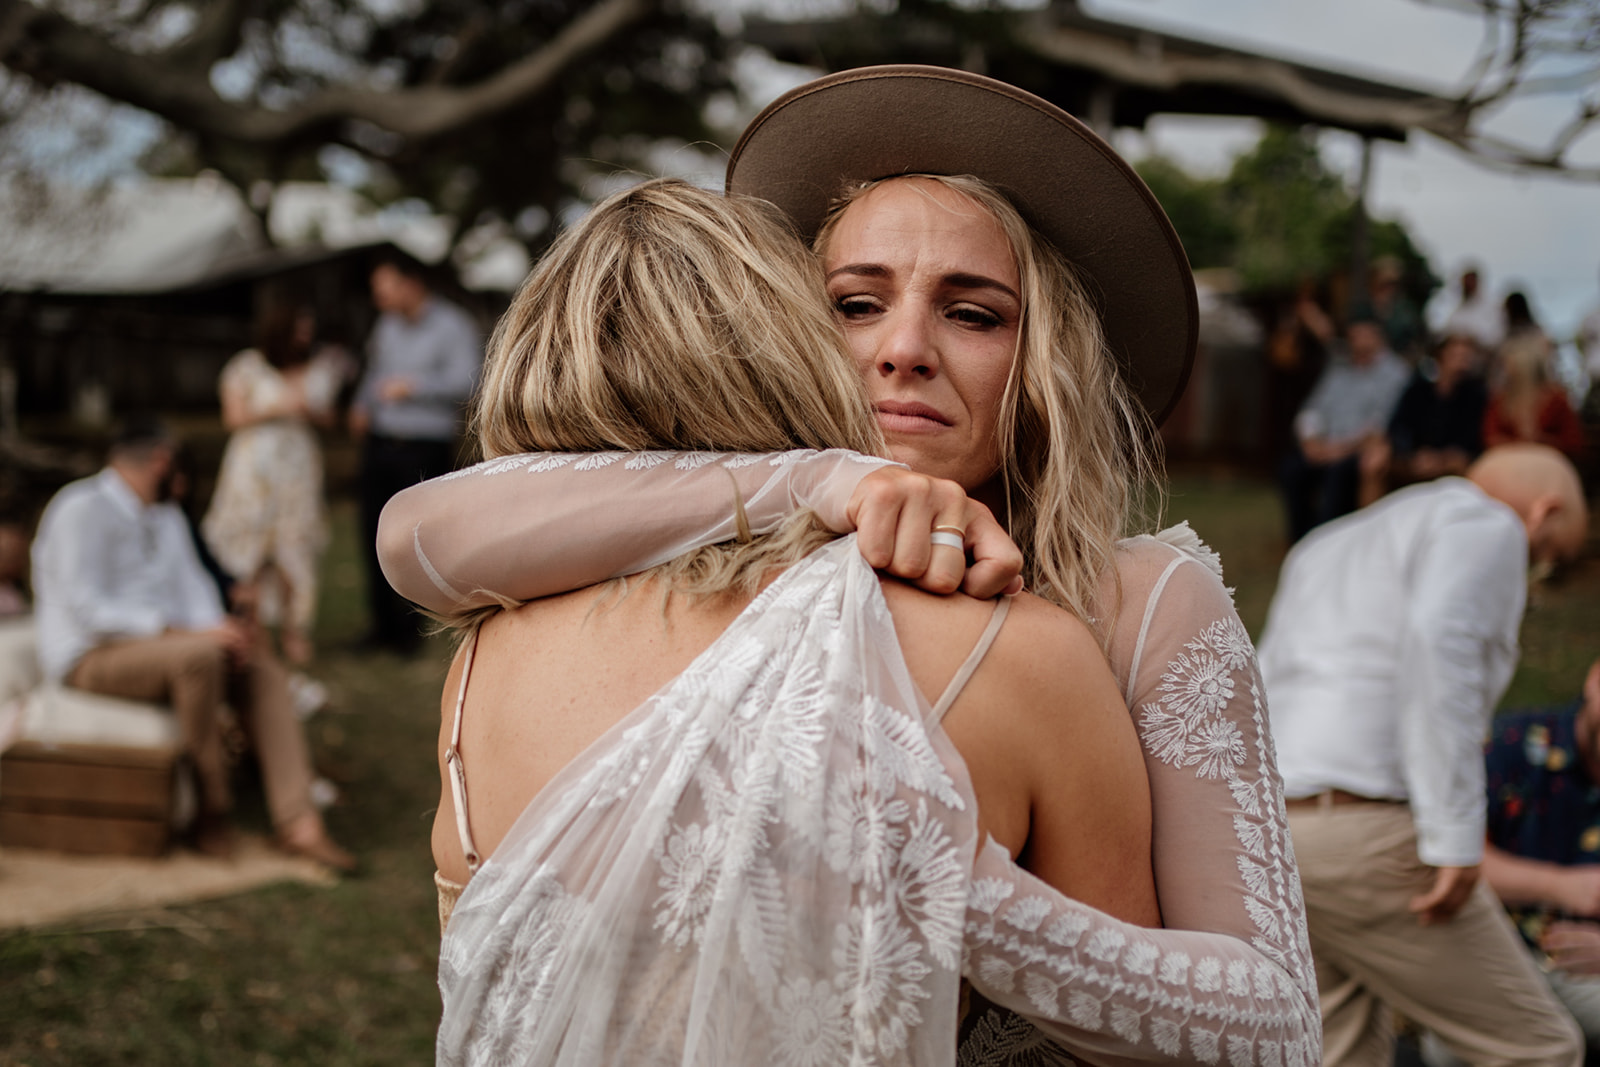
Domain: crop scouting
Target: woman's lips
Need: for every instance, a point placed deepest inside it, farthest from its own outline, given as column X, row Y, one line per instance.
column 902, row 416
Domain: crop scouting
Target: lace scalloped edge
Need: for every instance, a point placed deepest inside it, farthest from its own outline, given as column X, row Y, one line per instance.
column 1184, row 539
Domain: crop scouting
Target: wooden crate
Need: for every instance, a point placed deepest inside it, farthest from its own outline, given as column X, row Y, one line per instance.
column 93, row 799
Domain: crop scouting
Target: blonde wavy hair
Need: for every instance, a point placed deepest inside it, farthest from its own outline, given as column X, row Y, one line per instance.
column 1079, row 453
column 677, row 319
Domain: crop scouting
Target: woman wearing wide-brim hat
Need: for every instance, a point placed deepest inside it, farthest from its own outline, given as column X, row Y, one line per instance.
column 1022, row 313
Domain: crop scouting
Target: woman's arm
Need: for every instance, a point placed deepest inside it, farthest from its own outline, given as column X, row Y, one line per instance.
column 1231, row 975
column 525, row 526
column 1055, row 971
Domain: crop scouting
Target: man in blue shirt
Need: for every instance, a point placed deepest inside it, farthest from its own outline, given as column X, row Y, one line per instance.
column 423, row 361
column 1348, row 409
column 1543, row 850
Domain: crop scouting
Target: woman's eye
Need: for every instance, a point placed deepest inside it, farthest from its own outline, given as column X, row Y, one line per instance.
column 970, row 315
column 854, row 307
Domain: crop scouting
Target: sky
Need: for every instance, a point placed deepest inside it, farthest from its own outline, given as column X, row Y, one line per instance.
column 1534, row 231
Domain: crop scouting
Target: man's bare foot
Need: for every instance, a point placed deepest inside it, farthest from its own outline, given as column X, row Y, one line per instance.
column 306, row 836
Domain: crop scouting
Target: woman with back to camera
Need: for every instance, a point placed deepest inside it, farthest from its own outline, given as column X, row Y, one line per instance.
column 700, row 825
column 1093, row 280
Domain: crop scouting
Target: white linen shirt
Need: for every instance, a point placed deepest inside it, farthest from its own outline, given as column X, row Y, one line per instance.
column 1391, row 637
column 1480, row 318
column 108, row 566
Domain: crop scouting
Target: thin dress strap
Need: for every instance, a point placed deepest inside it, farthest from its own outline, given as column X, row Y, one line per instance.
column 458, row 773
column 974, row 658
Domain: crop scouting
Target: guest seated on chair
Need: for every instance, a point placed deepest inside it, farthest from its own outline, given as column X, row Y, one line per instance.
column 1543, row 853
column 1350, row 406
column 124, row 608
column 1438, row 427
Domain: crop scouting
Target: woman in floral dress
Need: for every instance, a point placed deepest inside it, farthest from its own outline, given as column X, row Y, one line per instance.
column 266, row 523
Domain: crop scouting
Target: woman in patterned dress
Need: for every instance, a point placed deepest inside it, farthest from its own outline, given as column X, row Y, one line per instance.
column 1022, row 350
column 265, row 524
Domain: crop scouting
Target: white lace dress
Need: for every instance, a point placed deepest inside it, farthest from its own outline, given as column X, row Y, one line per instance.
column 1228, row 981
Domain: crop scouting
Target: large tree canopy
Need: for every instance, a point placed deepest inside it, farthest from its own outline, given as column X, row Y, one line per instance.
column 496, row 112
column 470, row 105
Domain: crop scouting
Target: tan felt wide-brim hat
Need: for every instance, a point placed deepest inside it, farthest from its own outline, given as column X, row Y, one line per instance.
column 876, row 122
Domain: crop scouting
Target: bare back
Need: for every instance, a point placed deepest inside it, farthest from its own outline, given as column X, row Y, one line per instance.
column 1050, row 747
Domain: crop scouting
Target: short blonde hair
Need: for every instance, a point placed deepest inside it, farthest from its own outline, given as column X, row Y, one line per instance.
column 673, row 318
column 1078, row 450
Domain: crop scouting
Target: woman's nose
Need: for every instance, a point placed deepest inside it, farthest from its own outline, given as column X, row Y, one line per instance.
column 907, row 347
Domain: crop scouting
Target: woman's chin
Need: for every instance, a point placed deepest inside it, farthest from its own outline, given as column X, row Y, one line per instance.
column 928, row 457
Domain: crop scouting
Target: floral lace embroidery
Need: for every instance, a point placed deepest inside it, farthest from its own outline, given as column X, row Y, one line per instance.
column 716, row 775
column 540, row 462
column 1188, row 725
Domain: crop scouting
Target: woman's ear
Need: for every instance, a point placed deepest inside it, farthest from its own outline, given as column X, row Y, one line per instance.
column 1591, row 686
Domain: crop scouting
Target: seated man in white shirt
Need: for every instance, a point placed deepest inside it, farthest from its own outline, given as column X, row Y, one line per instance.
column 123, row 607
column 1390, row 639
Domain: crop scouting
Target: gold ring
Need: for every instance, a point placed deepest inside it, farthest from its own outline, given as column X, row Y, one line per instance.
column 958, row 531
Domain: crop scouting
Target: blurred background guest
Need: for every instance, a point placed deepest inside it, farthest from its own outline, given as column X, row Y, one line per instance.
column 1523, row 335
column 13, row 567
column 1387, row 304
column 125, row 609
column 1351, row 404
column 1527, row 404
column 265, row 524
column 1543, row 853
column 1476, row 316
column 1437, row 429
column 422, row 364
column 1589, row 348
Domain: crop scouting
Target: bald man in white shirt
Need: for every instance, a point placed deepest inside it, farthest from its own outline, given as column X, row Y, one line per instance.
column 1390, row 639
column 124, row 607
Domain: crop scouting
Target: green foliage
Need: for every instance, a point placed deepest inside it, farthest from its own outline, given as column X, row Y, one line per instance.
column 1279, row 217
column 1286, row 205
column 1195, row 206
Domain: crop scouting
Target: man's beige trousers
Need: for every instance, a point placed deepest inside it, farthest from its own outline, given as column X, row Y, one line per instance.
column 191, row 674
column 1469, row 980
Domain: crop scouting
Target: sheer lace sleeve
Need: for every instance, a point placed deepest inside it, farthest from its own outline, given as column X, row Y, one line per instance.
column 525, row 526
column 1231, row 975
column 1117, row 993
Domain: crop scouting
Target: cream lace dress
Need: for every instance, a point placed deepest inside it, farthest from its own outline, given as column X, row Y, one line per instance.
column 1228, row 981
column 267, row 507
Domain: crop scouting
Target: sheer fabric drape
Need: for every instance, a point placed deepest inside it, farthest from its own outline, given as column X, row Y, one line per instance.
column 1230, row 980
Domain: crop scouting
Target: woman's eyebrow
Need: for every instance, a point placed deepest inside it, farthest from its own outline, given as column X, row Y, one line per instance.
column 870, row 270
column 980, row 281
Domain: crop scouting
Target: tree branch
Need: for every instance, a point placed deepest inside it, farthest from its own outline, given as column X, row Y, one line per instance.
column 216, row 36
column 49, row 48
column 1124, row 62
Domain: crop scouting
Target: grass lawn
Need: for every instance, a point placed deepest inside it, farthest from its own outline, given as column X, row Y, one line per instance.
column 287, row 974
column 345, row 975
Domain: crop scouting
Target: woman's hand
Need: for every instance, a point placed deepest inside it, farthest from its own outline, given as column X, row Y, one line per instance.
column 894, row 512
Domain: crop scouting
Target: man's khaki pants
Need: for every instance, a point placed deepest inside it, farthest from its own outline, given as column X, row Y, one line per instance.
column 1468, row 980
column 192, row 674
